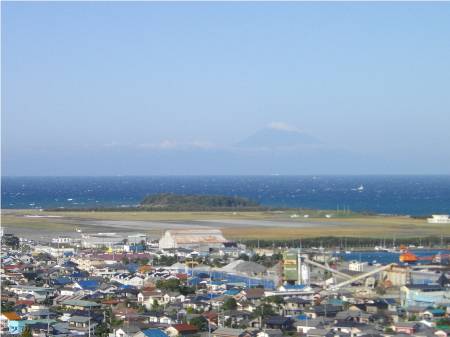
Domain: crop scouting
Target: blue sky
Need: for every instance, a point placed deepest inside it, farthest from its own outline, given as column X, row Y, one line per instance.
column 177, row 88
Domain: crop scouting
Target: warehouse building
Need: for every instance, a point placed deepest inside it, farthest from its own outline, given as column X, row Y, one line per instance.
column 197, row 239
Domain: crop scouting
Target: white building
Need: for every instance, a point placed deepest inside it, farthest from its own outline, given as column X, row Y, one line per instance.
column 62, row 240
column 137, row 238
column 100, row 240
column 130, row 280
column 439, row 218
column 198, row 239
column 55, row 252
column 357, row 266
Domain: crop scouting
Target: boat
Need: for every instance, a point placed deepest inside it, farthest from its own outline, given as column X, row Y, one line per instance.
column 360, row 188
column 403, row 249
column 437, row 258
column 380, row 249
column 408, row 257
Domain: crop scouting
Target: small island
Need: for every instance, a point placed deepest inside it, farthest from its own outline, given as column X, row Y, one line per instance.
column 180, row 202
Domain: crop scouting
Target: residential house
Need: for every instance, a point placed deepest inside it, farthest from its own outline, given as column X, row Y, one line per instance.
column 148, row 298
column 227, row 332
column 270, row 333
column 406, row 327
column 181, row 329
column 82, row 325
column 305, row 324
column 6, row 318
column 279, row 322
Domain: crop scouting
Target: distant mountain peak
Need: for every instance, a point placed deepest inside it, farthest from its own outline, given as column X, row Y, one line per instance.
column 278, row 135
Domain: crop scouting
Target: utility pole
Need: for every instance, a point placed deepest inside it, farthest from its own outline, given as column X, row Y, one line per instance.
column 89, row 322
column 210, row 304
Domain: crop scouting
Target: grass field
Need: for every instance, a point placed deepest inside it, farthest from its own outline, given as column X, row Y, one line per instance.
column 240, row 225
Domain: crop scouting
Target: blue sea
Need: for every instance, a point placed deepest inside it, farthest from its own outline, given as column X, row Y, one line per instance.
column 409, row 195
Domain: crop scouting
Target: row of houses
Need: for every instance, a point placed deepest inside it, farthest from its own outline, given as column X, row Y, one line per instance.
column 158, row 292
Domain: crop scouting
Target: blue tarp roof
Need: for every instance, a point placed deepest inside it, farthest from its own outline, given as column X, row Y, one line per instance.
column 194, row 281
column 132, row 267
column 78, row 274
column 232, row 292
column 437, row 311
column 62, row 281
column 294, row 286
column 302, row 317
column 88, row 284
column 154, row 333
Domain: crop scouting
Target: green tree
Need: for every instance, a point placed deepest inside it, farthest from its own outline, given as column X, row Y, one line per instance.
column 443, row 321
column 275, row 299
column 200, row 322
column 155, row 305
column 243, row 257
column 102, row 330
column 185, row 290
column 143, row 261
column 26, row 332
column 10, row 240
column 229, row 304
column 168, row 285
column 264, row 310
column 7, row 306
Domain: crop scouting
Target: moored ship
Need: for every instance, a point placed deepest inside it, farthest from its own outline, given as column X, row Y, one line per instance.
column 408, row 257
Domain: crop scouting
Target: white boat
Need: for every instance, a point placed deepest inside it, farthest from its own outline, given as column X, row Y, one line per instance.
column 360, row 188
column 380, row 249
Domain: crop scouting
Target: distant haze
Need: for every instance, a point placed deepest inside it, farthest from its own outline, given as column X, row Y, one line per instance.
column 151, row 88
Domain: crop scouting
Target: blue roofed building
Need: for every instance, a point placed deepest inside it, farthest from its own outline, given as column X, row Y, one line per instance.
column 424, row 295
column 62, row 281
column 232, row 292
column 151, row 333
column 88, row 286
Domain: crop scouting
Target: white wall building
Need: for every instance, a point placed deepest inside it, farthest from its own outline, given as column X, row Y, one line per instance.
column 62, row 240
column 357, row 266
column 198, row 239
column 100, row 240
column 136, row 238
column 439, row 218
column 55, row 252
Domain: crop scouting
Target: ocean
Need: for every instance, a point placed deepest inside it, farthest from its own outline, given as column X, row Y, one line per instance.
column 408, row 195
